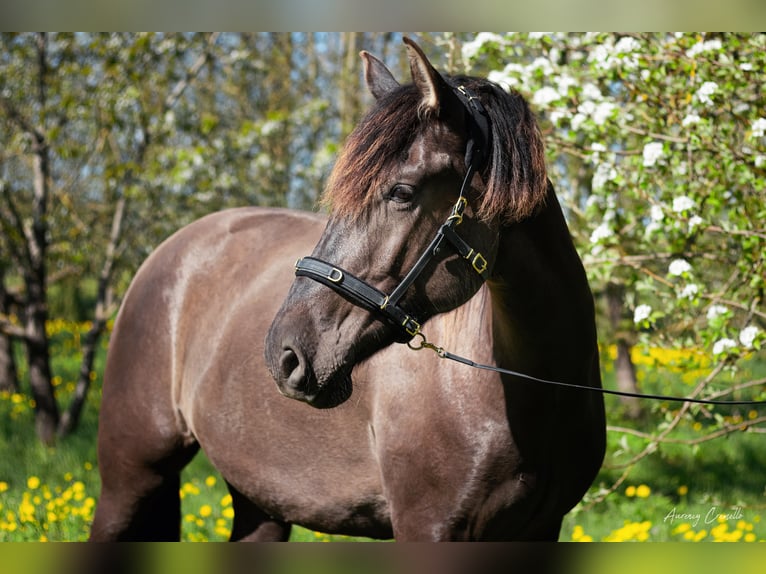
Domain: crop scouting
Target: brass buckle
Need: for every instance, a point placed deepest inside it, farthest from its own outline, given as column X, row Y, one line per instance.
column 336, row 275
column 408, row 323
column 479, row 263
column 457, row 210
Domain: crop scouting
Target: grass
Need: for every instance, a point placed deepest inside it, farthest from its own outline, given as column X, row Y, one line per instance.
column 714, row 491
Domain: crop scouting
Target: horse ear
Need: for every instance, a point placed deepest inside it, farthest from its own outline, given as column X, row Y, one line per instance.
column 379, row 78
column 434, row 90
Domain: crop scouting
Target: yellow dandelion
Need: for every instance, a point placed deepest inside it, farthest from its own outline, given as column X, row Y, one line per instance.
column 682, row 528
column 752, row 414
column 643, row 491
column 630, row 491
column 700, row 535
column 697, row 426
column 210, row 481
column 3, row 486
column 228, row 512
column 205, row 510
column 33, row 482
column 226, row 500
column 577, row 533
column 749, row 537
column 88, row 466
column 683, row 490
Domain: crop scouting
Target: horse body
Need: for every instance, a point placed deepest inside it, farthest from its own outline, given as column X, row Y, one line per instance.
column 423, row 448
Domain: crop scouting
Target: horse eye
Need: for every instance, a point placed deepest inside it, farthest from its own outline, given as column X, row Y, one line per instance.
column 401, row 193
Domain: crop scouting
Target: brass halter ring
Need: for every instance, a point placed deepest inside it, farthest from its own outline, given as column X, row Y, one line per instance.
column 424, row 344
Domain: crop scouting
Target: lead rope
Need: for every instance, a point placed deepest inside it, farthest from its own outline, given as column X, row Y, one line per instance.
column 424, row 344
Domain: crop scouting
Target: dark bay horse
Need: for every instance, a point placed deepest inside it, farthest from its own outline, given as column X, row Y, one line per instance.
column 383, row 441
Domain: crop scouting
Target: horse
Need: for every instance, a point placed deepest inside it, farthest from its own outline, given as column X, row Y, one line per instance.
column 311, row 386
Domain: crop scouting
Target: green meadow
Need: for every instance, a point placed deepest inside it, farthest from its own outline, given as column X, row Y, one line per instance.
column 710, row 491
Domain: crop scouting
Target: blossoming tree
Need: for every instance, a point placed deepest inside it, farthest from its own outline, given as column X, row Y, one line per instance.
column 657, row 143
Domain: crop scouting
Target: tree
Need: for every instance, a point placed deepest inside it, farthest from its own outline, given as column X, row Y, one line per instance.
column 658, row 141
column 111, row 142
column 66, row 137
column 30, row 252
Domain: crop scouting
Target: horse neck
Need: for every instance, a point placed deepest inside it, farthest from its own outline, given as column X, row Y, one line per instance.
column 540, row 293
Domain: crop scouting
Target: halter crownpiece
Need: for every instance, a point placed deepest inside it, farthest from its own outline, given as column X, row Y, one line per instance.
column 364, row 295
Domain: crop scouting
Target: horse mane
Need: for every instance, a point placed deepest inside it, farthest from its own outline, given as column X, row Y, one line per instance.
column 515, row 176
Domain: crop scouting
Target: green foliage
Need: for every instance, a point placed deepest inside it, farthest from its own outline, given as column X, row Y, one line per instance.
column 656, row 144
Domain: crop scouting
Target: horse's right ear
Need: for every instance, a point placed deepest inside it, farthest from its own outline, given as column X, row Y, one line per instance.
column 379, row 78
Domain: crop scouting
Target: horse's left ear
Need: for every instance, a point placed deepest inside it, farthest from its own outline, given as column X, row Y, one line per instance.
column 435, row 93
column 379, row 78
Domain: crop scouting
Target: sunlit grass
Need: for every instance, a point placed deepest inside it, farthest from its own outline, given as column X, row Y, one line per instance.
column 708, row 494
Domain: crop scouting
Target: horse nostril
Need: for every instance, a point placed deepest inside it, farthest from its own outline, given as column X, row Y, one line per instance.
column 289, row 363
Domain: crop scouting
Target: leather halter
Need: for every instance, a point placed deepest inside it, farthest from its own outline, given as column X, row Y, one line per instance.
column 376, row 301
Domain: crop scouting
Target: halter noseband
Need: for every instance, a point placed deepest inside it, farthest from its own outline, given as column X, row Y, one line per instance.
column 375, row 301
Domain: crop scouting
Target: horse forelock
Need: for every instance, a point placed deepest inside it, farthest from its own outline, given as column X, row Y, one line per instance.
column 380, row 140
column 515, row 175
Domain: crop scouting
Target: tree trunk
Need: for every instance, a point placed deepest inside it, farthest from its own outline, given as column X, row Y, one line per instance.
column 9, row 381
column 624, row 370
column 71, row 418
column 35, row 276
column 350, row 96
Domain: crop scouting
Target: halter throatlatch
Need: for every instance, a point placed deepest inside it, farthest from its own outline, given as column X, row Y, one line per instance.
column 366, row 296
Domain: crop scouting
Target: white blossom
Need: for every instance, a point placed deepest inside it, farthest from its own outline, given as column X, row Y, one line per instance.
column 545, row 96
column 601, row 57
column 723, row 345
column 706, row 90
column 760, row 160
column 591, row 91
column 543, row 64
column 747, row 336
column 690, row 291
column 683, row 203
column 564, row 82
column 504, row 77
column 603, row 231
column 691, row 120
column 470, row 49
column 652, row 152
column 678, row 267
column 577, row 121
column 603, row 174
column 626, row 45
column 602, row 112
column 694, row 222
column 556, row 116
column 758, row 128
column 701, row 47
column 656, row 213
column 641, row 313
column 746, row 67
column 716, row 311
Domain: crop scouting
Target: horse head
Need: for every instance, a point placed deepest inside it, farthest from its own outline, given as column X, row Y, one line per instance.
column 418, row 199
